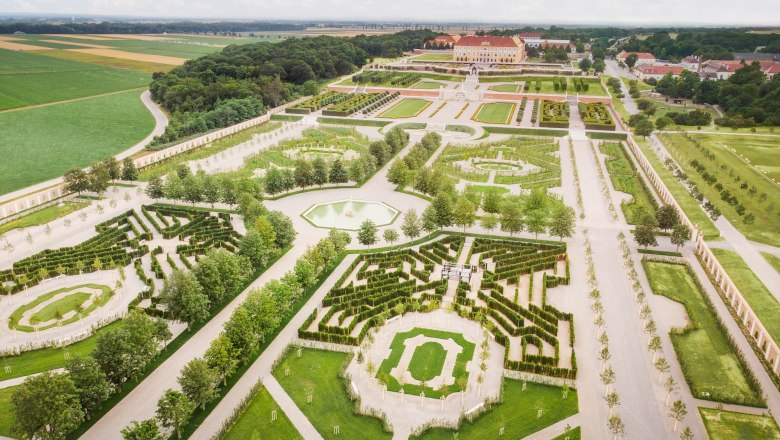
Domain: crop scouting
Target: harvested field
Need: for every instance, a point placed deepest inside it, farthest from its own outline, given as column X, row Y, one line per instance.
column 160, row 59
column 10, row 45
column 96, row 46
column 82, row 37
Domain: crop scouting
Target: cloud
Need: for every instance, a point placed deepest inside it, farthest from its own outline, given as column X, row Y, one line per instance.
column 633, row 12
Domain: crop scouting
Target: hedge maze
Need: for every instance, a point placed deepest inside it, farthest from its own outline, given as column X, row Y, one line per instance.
column 596, row 116
column 506, row 293
column 365, row 102
column 377, row 77
column 555, row 114
column 318, row 102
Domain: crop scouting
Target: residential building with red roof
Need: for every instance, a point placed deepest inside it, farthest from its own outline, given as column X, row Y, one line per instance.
column 642, row 57
column 648, row 71
column 443, row 41
column 723, row 69
column 488, row 49
column 530, row 35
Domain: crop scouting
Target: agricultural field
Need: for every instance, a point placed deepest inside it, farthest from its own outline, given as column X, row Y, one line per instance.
column 42, row 143
column 744, row 166
column 728, row 425
column 406, row 108
column 494, row 113
column 709, row 360
column 626, row 178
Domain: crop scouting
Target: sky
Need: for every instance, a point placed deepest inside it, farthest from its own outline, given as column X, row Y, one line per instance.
column 625, row 12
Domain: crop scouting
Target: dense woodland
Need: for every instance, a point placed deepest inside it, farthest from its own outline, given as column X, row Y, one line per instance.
column 710, row 43
column 243, row 80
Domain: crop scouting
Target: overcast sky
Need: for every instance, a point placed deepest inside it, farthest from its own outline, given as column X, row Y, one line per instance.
column 632, row 12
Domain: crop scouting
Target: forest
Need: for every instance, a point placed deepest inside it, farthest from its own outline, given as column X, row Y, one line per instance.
column 718, row 44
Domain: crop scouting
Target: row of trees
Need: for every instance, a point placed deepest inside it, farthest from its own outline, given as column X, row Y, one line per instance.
column 666, row 218
column 52, row 405
column 409, row 169
column 263, row 311
column 97, row 178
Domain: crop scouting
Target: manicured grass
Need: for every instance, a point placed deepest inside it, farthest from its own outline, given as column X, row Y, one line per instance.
column 655, row 252
column 60, row 306
column 494, row 113
column 427, row 85
column 7, row 412
column 433, row 57
column 708, row 360
column 255, row 422
column 44, row 142
column 316, row 373
column 510, row 88
column 407, row 108
column 211, row 149
column 31, row 78
column 625, row 178
column 546, row 84
column 728, row 425
column 45, row 359
column 527, row 131
column 427, row 361
column 773, row 260
column 640, row 85
column 687, row 203
column 764, row 156
column 355, row 122
column 755, row 292
column 42, row 216
column 574, row 434
column 517, row 414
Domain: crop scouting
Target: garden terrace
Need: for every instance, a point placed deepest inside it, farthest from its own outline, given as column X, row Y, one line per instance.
column 317, row 102
column 626, row 178
column 365, row 102
column 116, row 243
column 386, row 78
column 554, row 114
column 376, row 286
column 596, row 116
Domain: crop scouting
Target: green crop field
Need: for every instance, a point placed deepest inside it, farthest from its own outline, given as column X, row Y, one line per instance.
column 494, row 113
column 316, row 373
column 733, row 152
column 624, row 178
column 756, row 294
column 44, row 142
column 407, row 108
column 517, row 414
column 140, row 66
column 175, row 47
column 255, row 421
column 32, row 79
column 708, row 361
column 728, row 425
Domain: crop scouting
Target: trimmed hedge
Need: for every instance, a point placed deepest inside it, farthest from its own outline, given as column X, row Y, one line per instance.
column 596, row 116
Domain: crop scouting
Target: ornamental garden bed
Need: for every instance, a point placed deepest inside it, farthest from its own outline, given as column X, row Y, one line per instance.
column 596, row 116
column 554, row 114
column 406, row 108
column 494, row 113
column 317, row 102
column 56, row 310
column 363, row 102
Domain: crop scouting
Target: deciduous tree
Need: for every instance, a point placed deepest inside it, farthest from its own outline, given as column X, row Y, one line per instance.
column 173, row 410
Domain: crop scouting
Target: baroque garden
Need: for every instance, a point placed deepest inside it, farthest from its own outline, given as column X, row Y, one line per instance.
column 428, row 247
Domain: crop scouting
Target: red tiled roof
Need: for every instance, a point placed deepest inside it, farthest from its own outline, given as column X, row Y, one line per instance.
column 547, row 43
column 474, row 40
column 775, row 68
column 660, row 70
column 530, row 35
column 640, row 55
column 445, row 39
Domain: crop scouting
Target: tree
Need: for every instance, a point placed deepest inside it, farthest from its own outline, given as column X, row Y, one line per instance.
column 644, row 128
column 669, row 385
column 686, row 434
column 663, row 122
column 173, row 410
column 492, row 202
column 283, row 226
column 185, row 298
column 398, row 173
column 367, row 233
column 536, row 222
column 198, row 382
column 222, row 357
column 380, row 150
column 680, row 235
column 47, row 406
column 304, row 173
column 310, row 88
column 146, row 430
column 337, row 172
column 319, row 172
column 274, row 181
column 411, row 226
column 98, row 178
column 266, row 230
column 173, row 187
column 585, row 65
column 678, row 412
column 645, row 231
column 91, row 384
column 667, row 217
column 390, row 235
column 607, row 378
column 562, row 222
column 512, row 217
column 616, row 427
column 662, row 366
column 129, row 170
column 612, row 400
column 154, row 189
column 655, row 345
column 442, row 205
column 254, row 247
column 357, row 171
column 221, row 273
column 429, row 219
column 76, row 180
column 631, row 60
column 489, row 221
column 210, row 189
column 192, row 188
column 464, row 213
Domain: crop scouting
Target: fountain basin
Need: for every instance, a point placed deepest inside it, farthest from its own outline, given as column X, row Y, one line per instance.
column 349, row 214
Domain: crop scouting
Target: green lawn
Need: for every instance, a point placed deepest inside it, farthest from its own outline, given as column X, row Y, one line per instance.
column 7, row 411
column 707, row 359
column 625, row 178
column 764, row 156
column 728, row 425
column 574, row 434
column 44, row 142
column 494, row 113
column 46, row 359
column 510, row 88
column 427, row 85
column 61, row 306
column 43, row 216
column 316, row 373
column 407, row 108
column 424, row 363
column 755, row 292
column 546, row 84
column 517, row 414
column 255, row 421
column 427, row 361
column 687, row 203
column 641, row 85
column 773, row 260
column 433, row 57
column 31, row 79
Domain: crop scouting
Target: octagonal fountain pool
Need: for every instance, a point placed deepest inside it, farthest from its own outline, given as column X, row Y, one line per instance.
column 349, row 214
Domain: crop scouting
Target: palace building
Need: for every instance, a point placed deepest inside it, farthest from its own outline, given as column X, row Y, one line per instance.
column 477, row 49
